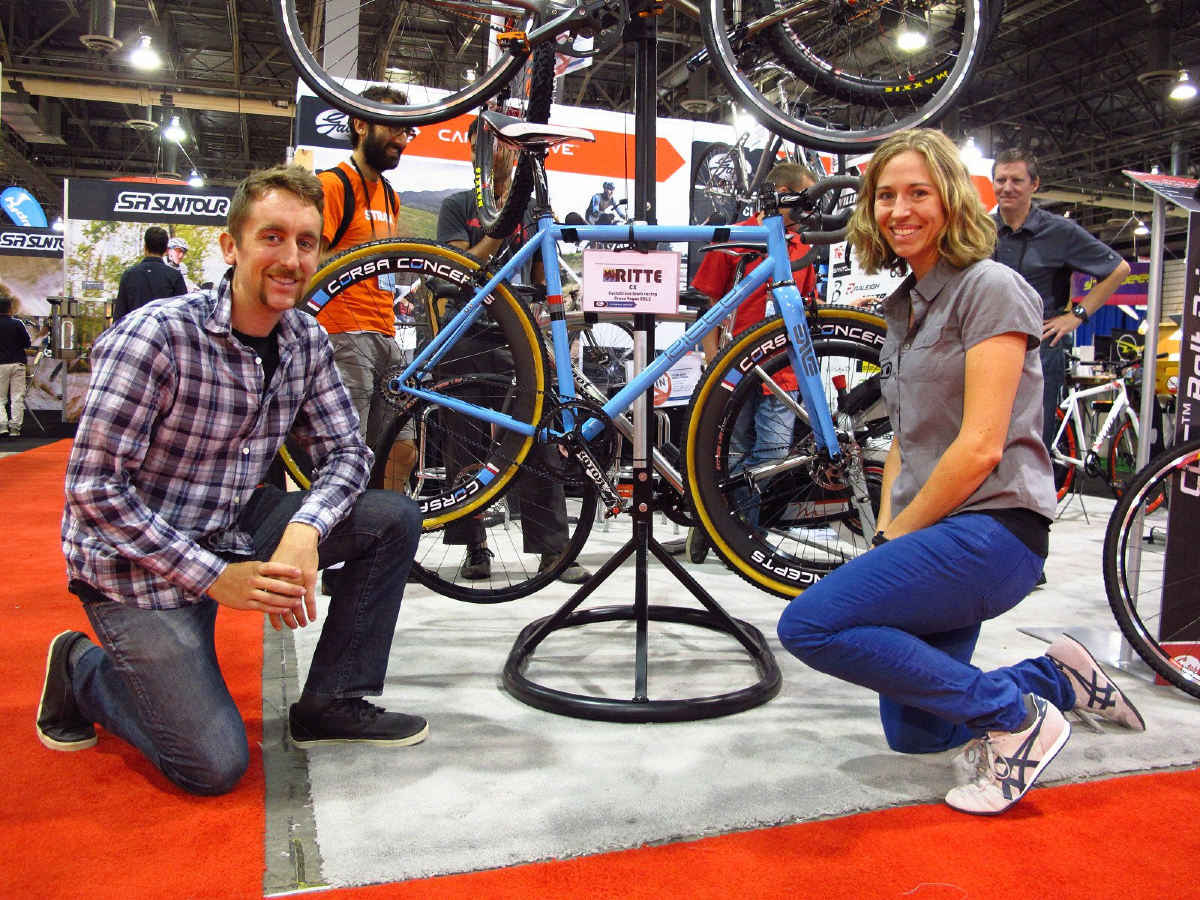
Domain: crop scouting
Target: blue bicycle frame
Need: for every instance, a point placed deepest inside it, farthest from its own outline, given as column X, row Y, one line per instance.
column 776, row 269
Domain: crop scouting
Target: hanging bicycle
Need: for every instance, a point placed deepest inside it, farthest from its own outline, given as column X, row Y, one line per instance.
column 853, row 72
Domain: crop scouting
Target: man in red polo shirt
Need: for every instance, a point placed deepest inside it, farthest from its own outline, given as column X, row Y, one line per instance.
column 763, row 430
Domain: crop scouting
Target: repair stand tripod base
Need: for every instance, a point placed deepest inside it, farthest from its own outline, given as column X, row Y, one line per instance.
column 639, row 707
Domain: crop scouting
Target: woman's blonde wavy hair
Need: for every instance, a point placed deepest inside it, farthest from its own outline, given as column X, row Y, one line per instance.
column 969, row 234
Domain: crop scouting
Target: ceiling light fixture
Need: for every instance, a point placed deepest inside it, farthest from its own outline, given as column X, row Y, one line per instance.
column 970, row 151
column 196, row 180
column 469, row 75
column 58, row 225
column 144, row 56
column 1183, row 88
column 1141, row 230
column 174, row 131
column 910, row 40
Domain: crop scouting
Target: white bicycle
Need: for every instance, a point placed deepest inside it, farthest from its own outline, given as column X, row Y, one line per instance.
column 1073, row 455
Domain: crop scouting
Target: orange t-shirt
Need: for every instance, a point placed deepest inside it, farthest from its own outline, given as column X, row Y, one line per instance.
column 364, row 306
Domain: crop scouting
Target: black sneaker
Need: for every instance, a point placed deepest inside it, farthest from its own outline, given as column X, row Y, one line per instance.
column 60, row 724
column 354, row 720
column 478, row 566
column 697, row 545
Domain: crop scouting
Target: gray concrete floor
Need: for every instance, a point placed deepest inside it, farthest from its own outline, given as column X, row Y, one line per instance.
column 500, row 783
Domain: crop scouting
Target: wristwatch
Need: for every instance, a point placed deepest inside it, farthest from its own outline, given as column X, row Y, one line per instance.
column 1080, row 311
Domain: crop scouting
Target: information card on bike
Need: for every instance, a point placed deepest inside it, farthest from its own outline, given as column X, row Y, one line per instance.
column 626, row 281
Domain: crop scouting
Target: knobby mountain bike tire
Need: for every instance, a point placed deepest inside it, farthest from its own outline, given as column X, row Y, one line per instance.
column 499, row 218
column 413, row 36
column 850, row 51
column 806, row 523
column 847, row 111
column 513, row 525
column 428, row 273
column 1151, row 595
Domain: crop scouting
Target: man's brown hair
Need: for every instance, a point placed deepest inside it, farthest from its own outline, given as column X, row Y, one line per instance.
column 293, row 179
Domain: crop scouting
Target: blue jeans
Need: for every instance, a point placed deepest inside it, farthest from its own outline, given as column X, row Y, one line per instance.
column 903, row 620
column 761, row 433
column 156, row 683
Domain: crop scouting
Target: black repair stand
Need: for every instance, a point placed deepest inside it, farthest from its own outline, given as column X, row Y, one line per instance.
column 640, row 708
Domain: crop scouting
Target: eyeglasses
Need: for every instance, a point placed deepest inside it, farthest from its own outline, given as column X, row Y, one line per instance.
column 400, row 129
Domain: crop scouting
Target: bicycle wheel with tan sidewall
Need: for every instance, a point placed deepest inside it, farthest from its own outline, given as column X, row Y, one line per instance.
column 784, row 517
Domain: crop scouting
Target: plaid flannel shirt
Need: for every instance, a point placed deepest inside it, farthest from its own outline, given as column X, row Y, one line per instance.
column 177, row 432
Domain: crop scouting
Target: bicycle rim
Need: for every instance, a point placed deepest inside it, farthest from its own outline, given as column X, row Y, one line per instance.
column 413, row 37
column 500, row 218
column 854, row 91
column 807, row 524
column 440, row 280
column 1122, row 462
column 1152, row 596
column 512, row 524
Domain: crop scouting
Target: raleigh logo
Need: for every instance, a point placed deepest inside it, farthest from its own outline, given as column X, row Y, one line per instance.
column 333, row 123
column 14, row 240
column 172, row 204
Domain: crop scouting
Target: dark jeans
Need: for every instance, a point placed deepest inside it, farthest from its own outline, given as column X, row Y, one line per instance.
column 903, row 620
column 157, row 684
column 537, row 492
column 1054, row 378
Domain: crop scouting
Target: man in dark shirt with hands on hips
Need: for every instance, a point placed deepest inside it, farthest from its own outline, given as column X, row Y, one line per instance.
column 166, row 521
column 1045, row 249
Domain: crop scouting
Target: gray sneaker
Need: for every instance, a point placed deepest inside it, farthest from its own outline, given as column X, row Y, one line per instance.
column 697, row 545
column 353, row 720
column 478, row 565
column 572, row 574
column 60, row 724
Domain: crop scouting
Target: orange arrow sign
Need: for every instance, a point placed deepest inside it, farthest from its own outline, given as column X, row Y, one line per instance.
column 609, row 154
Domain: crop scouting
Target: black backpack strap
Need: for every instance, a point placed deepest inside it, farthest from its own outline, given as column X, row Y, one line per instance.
column 393, row 202
column 347, row 206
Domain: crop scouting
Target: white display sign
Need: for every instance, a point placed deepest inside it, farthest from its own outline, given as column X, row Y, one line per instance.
column 628, row 281
column 674, row 388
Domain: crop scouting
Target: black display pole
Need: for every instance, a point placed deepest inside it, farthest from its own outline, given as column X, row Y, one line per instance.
column 641, row 32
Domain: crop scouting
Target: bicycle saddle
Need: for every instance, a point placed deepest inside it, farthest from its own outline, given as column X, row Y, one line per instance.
column 522, row 134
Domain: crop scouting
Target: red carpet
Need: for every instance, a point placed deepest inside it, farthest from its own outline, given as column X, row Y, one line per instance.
column 103, row 824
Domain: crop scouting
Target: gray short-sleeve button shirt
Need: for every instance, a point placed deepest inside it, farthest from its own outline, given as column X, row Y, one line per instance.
column 923, row 379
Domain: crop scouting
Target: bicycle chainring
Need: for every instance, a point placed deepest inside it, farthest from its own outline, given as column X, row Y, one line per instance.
column 557, row 453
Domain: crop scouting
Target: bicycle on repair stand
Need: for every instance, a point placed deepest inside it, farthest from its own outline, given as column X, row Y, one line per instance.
column 481, row 431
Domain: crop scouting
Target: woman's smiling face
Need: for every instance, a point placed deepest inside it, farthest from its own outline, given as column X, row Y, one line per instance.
column 909, row 211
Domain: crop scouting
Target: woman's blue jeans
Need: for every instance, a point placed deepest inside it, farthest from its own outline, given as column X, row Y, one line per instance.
column 903, row 619
column 157, row 683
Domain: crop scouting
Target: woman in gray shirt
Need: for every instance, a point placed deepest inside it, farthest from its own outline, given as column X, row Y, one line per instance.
column 967, row 495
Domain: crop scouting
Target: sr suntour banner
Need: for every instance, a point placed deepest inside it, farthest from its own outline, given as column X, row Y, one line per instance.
column 136, row 201
column 30, row 242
